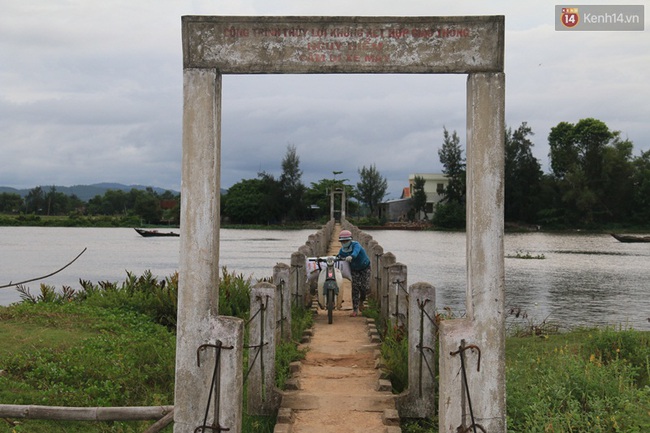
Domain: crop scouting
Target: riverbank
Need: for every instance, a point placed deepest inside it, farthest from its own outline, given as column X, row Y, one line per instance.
column 7, row 220
column 75, row 355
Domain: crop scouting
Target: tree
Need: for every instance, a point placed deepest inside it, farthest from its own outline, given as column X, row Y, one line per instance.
column 10, row 202
column 523, row 175
column 147, row 206
column 317, row 196
column 419, row 196
column 291, row 185
column 450, row 212
column 35, row 200
column 577, row 154
column 371, row 189
column 641, row 188
column 618, row 180
column 454, row 167
column 254, row 201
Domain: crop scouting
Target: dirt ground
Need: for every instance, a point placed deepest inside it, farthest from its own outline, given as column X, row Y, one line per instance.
column 338, row 378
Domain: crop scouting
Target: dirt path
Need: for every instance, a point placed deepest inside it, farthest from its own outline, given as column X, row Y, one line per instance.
column 338, row 382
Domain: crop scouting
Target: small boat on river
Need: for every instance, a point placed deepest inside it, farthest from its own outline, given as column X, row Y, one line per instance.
column 155, row 233
column 630, row 238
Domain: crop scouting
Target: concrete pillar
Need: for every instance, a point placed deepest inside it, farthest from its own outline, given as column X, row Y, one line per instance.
column 312, row 243
column 418, row 401
column 484, row 328
column 343, row 204
column 375, row 258
column 298, row 279
column 281, row 273
column 263, row 397
column 199, row 242
column 387, row 260
column 398, row 295
column 224, row 408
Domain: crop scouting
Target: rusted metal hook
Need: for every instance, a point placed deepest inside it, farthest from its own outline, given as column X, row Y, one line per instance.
column 462, row 349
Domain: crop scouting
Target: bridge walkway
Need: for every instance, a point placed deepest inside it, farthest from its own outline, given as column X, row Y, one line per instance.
column 339, row 388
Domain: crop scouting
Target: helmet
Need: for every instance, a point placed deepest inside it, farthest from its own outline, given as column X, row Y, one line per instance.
column 345, row 235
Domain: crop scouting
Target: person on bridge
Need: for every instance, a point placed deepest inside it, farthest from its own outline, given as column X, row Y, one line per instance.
column 354, row 254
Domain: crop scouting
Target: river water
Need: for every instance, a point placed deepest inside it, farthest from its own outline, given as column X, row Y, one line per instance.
column 583, row 280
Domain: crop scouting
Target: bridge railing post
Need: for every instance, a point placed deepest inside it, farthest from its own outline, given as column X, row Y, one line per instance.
column 263, row 398
column 298, row 280
column 418, row 401
column 387, row 260
column 281, row 272
column 375, row 254
column 398, row 295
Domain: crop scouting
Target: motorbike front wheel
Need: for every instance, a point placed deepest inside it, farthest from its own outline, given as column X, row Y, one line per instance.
column 330, row 305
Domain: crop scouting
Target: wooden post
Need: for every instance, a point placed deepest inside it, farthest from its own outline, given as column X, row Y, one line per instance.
column 63, row 413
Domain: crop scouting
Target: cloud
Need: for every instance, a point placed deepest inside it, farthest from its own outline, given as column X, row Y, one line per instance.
column 92, row 92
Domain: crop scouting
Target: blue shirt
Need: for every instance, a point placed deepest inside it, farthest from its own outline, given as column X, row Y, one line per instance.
column 360, row 259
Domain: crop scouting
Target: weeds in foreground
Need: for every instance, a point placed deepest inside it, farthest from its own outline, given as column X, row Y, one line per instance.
column 595, row 380
column 579, row 381
column 110, row 344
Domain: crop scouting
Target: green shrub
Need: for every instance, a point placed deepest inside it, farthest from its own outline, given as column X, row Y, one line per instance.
column 559, row 388
column 626, row 345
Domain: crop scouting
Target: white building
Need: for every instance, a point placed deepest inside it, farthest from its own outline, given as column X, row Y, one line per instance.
column 398, row 210
column 434, row 188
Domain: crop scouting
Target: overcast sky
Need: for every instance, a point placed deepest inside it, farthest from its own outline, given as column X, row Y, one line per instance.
column 91, row 91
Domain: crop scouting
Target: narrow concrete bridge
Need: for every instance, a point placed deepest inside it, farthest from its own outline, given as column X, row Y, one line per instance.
column 338, row 386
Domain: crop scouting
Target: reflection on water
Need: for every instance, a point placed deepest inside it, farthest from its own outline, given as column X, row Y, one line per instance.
column 584, row 280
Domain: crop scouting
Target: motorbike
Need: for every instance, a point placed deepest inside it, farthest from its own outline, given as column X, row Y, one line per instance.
column 330, row 279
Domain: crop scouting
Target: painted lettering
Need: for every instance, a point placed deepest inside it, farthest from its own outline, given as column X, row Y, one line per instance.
column 453, row 33
column 422, row 33
column 375, row 59
column 233, row 32
column 346, row 33
column 398, row 33
column 314, row 58
column 373, row 33
column 324, row 46
column 280, row 32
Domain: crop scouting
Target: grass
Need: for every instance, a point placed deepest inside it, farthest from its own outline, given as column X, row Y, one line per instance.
column 109, row 344
column 75, row 355
column 585, row 380
column 582, row 381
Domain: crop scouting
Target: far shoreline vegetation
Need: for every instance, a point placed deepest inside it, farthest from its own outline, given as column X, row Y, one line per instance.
column 596, row 184
column 116, row 221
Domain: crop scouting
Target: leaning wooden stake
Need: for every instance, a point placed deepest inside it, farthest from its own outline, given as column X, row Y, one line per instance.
column 161, row 423
column 130, row 413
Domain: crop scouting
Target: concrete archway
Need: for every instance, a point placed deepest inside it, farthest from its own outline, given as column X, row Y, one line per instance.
column 218, row 45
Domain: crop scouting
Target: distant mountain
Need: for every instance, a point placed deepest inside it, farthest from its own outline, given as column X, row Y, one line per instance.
column 85, row 192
